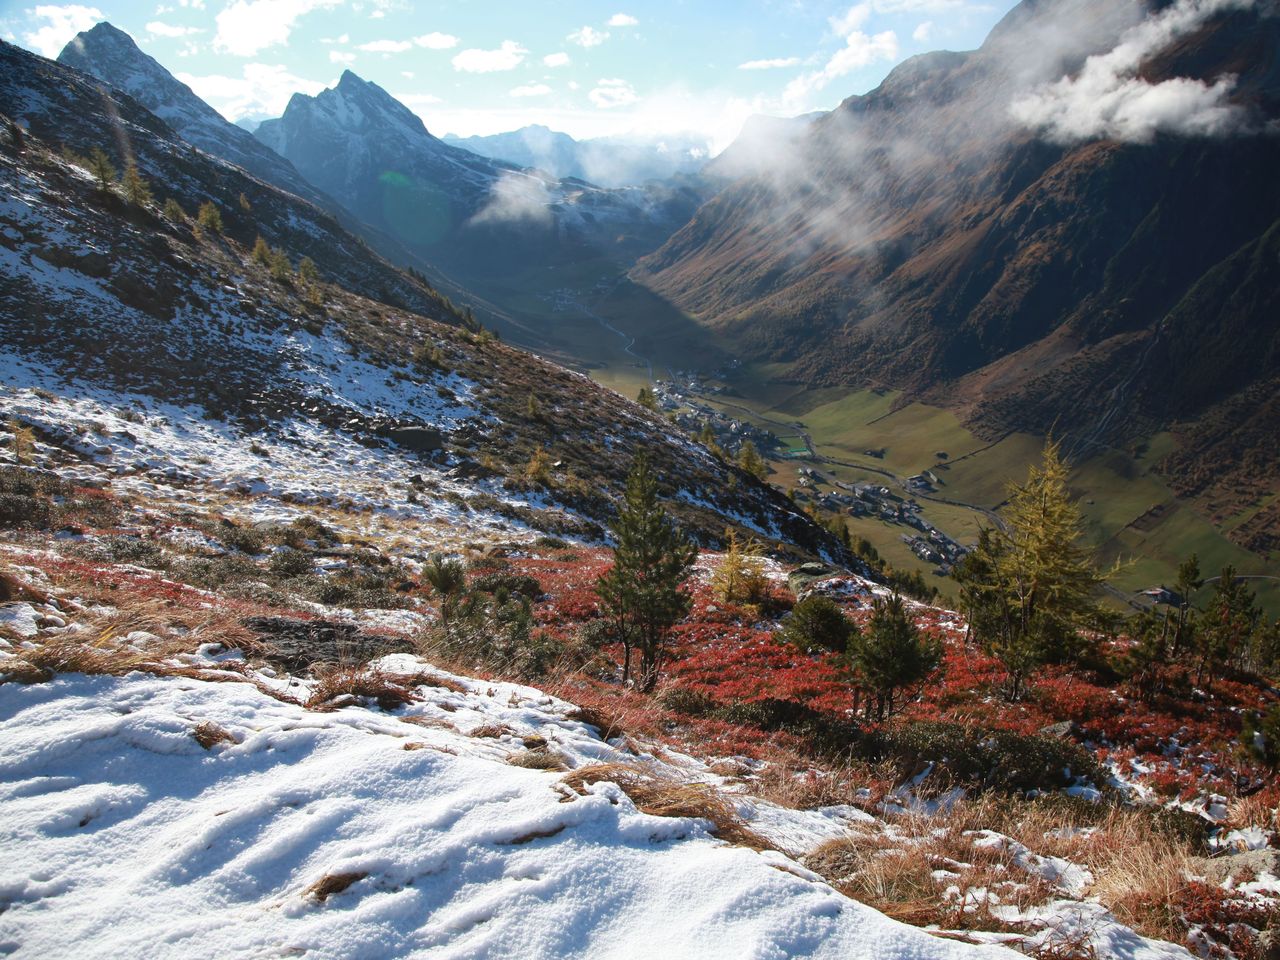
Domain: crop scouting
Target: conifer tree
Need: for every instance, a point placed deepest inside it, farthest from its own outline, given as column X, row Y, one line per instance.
column 307, row 272
column 641, row 593
column 891, row 655
column 646, row 399
column 1029, row 589
column 261, row 251
column 749, row 459
column 1227, row 627
column 209, row 217
column 100, row 166
column 173, row 211
column 136, row 190
column 818, row 625
column 740, row 577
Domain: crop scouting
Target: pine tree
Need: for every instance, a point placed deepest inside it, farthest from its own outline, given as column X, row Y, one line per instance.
column 100, row 166
column 209, row 217
column 1029, row 589
column 245, row 205
column 1226, row 628
column 448, row 579
column 1188, row 582
column 261, row 251
column 279, row 266
column 890, row 656
column 173, row 211
column 740, row 577
column 818, row 625
column 646, row 399
column 749, row 459
column 641, row 593
column 708, row 439
column 136, row 190
column 308, row 275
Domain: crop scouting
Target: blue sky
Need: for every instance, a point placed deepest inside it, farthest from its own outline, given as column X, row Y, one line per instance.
column 587, row 67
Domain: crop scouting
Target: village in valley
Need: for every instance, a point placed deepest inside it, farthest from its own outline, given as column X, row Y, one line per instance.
column 695, row 403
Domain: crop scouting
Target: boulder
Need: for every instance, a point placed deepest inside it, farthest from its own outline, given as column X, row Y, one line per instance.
column 297, row 644
column 417, row 439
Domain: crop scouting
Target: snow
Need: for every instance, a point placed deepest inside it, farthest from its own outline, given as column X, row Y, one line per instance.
column 125, row 837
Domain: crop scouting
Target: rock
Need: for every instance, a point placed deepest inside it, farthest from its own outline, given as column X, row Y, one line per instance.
column 417, row 481
column 297, row 644
column 1059, row 731
column 471, row 470
column 417, row 439
column 802, row 576
column 1241, row 866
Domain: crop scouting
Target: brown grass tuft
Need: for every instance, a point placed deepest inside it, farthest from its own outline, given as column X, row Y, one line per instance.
column 541, row 759
column 664, row 797
column 208, row 734
column 332, row 883
column 338, row 686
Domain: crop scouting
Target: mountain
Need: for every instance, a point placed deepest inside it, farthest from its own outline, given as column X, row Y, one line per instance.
column 606, row 161
column 111, row 55
column 1035, row 241
column 364, row 366
column 758, row 145
column 479, row 219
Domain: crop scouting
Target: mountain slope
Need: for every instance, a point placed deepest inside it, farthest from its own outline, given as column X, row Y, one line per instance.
column 928, row 237
column 478, row 218
column 111, row 55
column 129, row 308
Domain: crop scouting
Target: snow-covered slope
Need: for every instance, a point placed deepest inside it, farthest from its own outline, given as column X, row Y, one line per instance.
column 111, row 55
column 362, row 833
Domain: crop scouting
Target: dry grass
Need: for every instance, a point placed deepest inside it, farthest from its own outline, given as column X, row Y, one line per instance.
column 208, row 734
column 663, row 797
column 338, row 687
column 490, row 731
column 804, row 787
column 332, row 883
column 1140, row 867
column 539, row 759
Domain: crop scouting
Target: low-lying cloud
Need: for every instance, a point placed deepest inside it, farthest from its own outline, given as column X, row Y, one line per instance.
column 1107, row 98
column 517, row 198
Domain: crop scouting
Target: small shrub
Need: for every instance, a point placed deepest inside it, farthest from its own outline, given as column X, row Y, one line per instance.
column 288, row 562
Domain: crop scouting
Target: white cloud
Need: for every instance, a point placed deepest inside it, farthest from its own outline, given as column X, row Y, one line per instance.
column 774, row 64
column 622, row 20
column 407, row 74
column 338, row 56
column 262, row 90
column 860, row 50
column 923, row 32
column 1108, row 99
column 507, row 57
column 612, row 93
column 531, row 90
column 851, row 20
column 588, row 37
column 385, row 46
column 436, row 41
column 248, row 26
column 516, row 198
column 924, row 6
column 62, row 24
column 556, row 60
column 415, row 100
column 158, row 29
